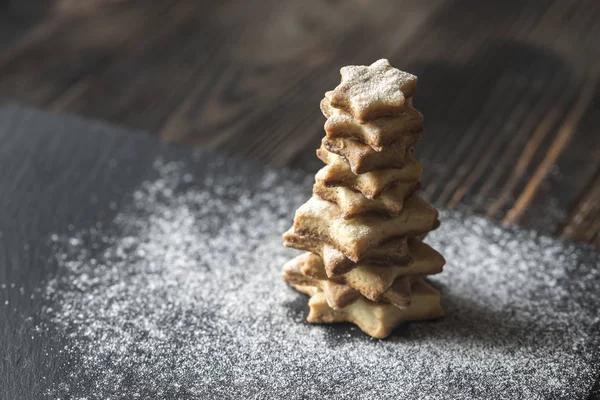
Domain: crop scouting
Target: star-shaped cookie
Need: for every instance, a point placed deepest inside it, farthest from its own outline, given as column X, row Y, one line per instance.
column 375, row 319
column 363, row 158
column 301, row 271
column 354, row 237
column 378, row 133
column 352, row 203
column 371, row 92
column 393, row 252
column 371, row 184
column 373, row 281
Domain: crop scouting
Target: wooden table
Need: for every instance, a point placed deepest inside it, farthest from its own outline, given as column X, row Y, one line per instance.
column 510, row 89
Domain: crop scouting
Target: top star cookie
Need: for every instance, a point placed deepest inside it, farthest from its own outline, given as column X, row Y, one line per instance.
column 374, row 91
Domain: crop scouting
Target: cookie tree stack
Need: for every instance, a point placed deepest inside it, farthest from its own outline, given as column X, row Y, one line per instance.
column 364, row 224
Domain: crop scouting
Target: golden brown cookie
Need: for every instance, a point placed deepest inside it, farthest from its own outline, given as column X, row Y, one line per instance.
column 353, row 203
column 336, row 263
column 304, row 270
column 372, row 281
column 374, row 91
column 375, row 319
column 322, row 220
column 337, row 295
column 371, row 184
column 363, row 158
column 378, row 133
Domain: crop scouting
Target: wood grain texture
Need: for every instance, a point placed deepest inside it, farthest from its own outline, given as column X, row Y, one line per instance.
column 509, row 89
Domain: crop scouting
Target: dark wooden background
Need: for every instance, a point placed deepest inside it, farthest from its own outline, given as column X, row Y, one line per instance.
column 510, row 89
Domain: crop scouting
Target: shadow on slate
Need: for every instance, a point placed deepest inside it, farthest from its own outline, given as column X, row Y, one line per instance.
column 61, row 175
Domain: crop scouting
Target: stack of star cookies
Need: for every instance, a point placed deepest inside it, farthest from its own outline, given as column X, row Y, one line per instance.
column 363, row 227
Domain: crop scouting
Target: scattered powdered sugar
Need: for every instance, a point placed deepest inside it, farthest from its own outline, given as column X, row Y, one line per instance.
column 181, row 297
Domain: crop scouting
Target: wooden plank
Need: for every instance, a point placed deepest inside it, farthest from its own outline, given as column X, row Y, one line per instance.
column 300, row 79
column 473, row 171
column 583, row 223
column 481, row 167
column 46, row 68
column 138, row 87
column 17, row 18
column 575, row 166
column 479, row 100
column 464, row 152
column 561, row 140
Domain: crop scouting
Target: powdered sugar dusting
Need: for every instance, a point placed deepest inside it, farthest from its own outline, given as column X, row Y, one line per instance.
column 181, row 297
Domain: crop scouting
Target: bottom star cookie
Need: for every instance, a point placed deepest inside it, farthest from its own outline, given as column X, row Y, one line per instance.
column 375, row 319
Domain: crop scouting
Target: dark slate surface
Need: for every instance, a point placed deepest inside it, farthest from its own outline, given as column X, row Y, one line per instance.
column 49, row 165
